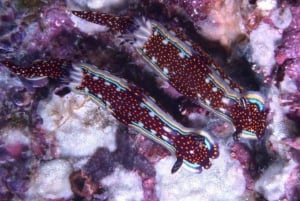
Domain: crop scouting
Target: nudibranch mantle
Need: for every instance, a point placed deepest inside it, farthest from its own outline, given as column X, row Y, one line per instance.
column 129, row 104
column 182, row 63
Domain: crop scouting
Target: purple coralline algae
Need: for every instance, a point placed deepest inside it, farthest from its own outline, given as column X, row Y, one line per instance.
column 288, row 60
column 165, row 132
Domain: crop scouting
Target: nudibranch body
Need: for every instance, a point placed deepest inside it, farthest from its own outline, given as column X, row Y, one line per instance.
column 194, row 74
column 130, row 105
column 182, row 63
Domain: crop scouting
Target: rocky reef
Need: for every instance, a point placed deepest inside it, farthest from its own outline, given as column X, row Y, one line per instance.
column 56, row 144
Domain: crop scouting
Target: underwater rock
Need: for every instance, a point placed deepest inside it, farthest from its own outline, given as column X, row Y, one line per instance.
column 92, row 156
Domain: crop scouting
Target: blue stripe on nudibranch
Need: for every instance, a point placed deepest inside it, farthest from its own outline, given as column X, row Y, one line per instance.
column 256, row 98
column 183, row 48
column 105, row 75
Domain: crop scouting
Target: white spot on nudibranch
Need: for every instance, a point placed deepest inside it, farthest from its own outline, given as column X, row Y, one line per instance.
column 107, row 103
column 165, row 71
column 172, row 32
column 165, row 138
column 167, row 129
column 153, row 60
column 188, row 43
column 107, row 83
column 153, row 132
column 181, row 54
column 227, row 81
column 213, row 66
column 165, row 41
column 152, row 114
column 140, row 124
column 217, row 72
column 223, row 110
column 237, row 90
column 225, row 100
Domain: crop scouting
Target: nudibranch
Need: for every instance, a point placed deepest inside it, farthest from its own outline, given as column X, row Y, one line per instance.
column 130, row 105
column 184, row 65
column 39, row 69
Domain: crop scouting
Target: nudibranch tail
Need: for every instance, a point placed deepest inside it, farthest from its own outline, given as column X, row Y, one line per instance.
column 53, row 68
column 130, row 105
column 114, row 23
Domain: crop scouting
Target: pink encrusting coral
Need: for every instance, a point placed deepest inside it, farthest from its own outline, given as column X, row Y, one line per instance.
column 284, row 104
column 243, row 154
column 288, row 59
column 207, row 17
column 32, row 28
column 288, row 49
column 59, row 145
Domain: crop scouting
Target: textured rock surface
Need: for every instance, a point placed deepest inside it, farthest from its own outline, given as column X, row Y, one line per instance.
column 60, row 145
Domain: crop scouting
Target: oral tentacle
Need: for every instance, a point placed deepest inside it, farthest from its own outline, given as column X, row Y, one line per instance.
column 177, row 165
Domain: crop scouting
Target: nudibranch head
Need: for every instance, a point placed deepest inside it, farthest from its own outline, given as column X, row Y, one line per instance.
column 196, row 150
column 250, row 117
